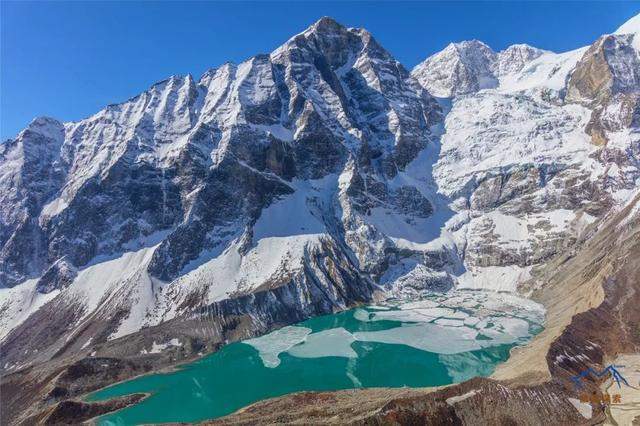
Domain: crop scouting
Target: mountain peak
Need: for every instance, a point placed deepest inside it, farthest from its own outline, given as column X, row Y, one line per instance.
column 471, row 65
column 331, row 40
column 522, row 47
column 460, row 68
column 327, row 24
column 323, row 28
column 47, row 127
column 515, row 57
column 471, row 44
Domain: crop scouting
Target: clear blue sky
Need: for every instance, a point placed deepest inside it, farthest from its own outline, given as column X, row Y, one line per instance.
column 69, row 59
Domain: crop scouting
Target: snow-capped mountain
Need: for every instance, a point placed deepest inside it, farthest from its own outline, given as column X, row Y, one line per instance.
column 537, row 146
column 259, row 177
column 470, row 66
column 304, row 181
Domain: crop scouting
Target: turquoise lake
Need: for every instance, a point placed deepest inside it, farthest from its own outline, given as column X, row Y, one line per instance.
column 418, row 344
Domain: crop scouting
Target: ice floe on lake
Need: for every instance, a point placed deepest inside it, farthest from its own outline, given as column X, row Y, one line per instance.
column 453, row 323
column 427, row 337
column 271, row 345
column 332, row 342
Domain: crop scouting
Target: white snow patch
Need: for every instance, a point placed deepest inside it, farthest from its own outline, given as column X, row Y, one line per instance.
column 19, row 302
column 583, row 408
column 277, row 130
column 495, row 278
column 455, row 399
column 269, row 259
column 97, row 282
column 159, row 347
column 549, row 71
column 298, row 213
column 54, row 207
column 479, row 129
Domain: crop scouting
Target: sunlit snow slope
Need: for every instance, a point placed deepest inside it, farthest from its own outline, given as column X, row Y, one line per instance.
column 304, row 181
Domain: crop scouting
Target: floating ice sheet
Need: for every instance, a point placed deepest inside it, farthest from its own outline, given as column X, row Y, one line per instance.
column 332, row 342
column 271, row 345
column 504, row 329
column 362, row 315
column 448, row 324
column 427, row 337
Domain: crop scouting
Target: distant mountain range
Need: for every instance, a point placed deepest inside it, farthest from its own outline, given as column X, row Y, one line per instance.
column 317, row 177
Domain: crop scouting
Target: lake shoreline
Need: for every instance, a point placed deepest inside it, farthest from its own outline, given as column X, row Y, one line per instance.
column 424, row 318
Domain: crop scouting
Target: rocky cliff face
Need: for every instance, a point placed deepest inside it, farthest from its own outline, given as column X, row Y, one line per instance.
column 233, row 139
column 305, row 181
column 258, row 175
column 607, row 79
column 526, row 153
column 590, row 293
